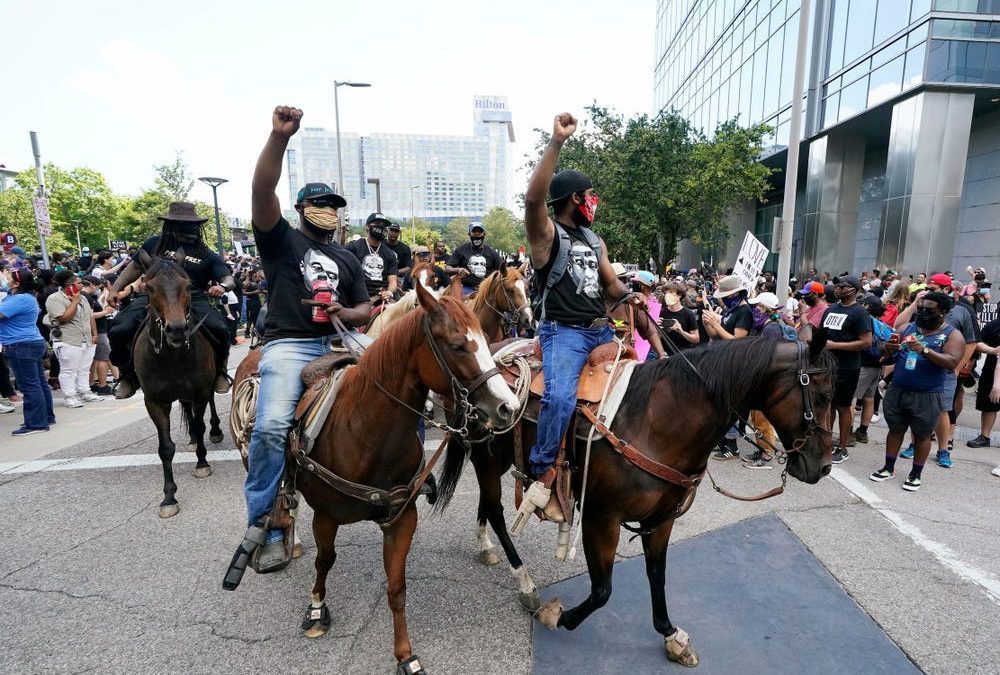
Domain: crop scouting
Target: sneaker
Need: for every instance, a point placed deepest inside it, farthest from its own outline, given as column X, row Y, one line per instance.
column 841, row 455
column 27, row 431
column 944, row 459
column 758, row 463
column 908, row 453
column 93, row 387
column 875, row 418
column 861, row 436
column 850, row 441
column 72, row 402
column 726, row 451
column 912, row 484
column 979, row 441
column 90, row 397
column 6, row 408
column 880, row 475
column 106, row 390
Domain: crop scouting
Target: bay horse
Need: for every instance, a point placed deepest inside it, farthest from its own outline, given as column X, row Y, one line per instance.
column 370, row 439
column 174, row 361
column 502, row 304
column 673, row 414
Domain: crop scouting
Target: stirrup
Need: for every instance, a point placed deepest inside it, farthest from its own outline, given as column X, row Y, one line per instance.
column 535, row 497
column 222, row 389
column 253, row 539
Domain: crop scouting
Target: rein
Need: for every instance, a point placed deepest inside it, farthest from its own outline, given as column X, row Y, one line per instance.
column 508, row 317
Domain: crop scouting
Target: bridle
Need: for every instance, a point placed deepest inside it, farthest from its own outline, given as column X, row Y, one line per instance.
column 508, row 317
column 157, row 321
column 464, row 410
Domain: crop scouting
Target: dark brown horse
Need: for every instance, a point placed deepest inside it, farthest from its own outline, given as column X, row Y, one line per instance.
column 674, row 412
column 370, row 438
column 502, row 304
column 174, row 362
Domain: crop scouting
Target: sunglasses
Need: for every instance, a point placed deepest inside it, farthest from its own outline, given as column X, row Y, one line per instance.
column 324, row 203
column 423, row 255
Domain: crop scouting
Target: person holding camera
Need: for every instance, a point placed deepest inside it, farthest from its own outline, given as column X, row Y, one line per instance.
column 74, row 339
column 678, row 322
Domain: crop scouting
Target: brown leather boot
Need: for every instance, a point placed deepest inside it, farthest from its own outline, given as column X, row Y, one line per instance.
column 552, row 510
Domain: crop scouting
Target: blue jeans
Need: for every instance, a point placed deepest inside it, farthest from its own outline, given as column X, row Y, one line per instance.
column 25, row 360
column 564, row 354
column 281, row 386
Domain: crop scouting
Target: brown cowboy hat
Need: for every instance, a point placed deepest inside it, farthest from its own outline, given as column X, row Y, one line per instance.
column 183, row 212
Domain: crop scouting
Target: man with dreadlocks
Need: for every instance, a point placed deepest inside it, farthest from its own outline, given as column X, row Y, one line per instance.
column 181, row 240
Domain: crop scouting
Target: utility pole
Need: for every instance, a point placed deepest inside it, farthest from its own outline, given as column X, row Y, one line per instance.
column 40, row 226
column 787, row 220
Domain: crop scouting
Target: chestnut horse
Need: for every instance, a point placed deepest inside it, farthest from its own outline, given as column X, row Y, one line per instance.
column 174, row 361
column 370, row 439
column 502, row 304
column 673, row 413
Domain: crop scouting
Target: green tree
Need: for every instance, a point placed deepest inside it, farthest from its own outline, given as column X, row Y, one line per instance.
column 660, row 180
column 504, row 231
column 456, row 232
column 175, row 179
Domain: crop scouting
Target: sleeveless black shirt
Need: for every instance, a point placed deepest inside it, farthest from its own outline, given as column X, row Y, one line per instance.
column 577, row 297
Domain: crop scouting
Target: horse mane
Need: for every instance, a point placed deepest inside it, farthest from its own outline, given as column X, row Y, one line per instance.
column 382, row 361
column 486, row 289
column 163, row 264
column 729, row 369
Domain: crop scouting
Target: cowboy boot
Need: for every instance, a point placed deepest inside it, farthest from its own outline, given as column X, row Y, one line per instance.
column 127, row 385
column 552, row 510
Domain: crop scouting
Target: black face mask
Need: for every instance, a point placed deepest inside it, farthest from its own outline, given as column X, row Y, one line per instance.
column 377, row 233
column 811, row 300
column 927, row 319
column 477, row 242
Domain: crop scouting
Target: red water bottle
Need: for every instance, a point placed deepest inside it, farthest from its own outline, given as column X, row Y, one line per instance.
column 322, row 292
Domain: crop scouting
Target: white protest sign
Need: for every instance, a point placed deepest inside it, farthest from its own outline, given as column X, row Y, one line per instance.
column 41, row 206
column 750, row 261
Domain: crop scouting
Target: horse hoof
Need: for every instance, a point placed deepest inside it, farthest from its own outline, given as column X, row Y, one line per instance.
column 217, row 438
column 678, row 648
column 317, row 621
column 297, row 550
column 548, row 614
column 530, row 601
column 202, row 472
column 410, row 666
column 169, row 511
column 488, row 558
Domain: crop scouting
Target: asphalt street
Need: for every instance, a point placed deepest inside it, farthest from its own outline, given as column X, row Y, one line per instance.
column 92, row 580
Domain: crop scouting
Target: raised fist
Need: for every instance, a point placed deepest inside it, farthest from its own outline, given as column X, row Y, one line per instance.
column 285, row 120
column 563, row 127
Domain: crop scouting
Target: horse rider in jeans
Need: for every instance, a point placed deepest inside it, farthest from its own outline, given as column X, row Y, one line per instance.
column 299, row 263
column 181, row 240
column 572, row 270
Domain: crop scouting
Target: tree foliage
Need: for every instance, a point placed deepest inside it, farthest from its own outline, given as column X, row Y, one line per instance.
column 504, row 231
column 660, row 180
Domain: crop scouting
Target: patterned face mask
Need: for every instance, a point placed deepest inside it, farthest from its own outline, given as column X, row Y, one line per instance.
column 588, row 209
column 323, row 217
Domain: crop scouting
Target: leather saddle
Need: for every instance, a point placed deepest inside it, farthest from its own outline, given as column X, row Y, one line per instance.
column 316, row 376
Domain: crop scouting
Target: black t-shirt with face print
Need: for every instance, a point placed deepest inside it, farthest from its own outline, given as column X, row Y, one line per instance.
column 480, row 263
column 294, row 265
column 377, row 264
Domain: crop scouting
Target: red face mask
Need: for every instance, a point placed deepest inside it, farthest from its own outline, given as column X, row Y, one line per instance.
column 72, row 290
column 588, row 209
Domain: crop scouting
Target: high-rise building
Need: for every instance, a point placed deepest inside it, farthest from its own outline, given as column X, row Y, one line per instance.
column 900, row 154
column 446, row 176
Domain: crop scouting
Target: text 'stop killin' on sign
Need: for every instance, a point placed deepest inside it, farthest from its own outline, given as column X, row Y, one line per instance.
column 750, row 261
column 41, row 206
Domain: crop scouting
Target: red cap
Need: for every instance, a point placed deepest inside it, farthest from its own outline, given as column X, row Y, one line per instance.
column 942, row 280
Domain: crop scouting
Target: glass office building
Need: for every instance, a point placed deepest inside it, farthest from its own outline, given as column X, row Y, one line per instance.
column 900, row 154
column 446, row 176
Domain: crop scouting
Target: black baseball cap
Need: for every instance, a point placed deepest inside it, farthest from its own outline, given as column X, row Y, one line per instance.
column 314, row 191
column 395, row 226
column 850, row 280
column 566, row 183
column 378, row 217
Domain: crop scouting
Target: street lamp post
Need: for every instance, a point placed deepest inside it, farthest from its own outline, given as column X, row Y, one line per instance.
column 79, row 247
column 378, row 193
column 340, row 160
column 215, row 183
column 413, row 219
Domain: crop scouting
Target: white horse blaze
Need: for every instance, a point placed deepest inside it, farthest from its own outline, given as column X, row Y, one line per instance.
column 524, row 582
column 495, row 385
column 523, row 299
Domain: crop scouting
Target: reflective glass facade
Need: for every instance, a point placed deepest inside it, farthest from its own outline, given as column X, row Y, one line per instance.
column 901, row 105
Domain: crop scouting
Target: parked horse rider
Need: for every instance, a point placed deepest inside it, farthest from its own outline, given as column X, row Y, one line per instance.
column 378, row 260
column 181, row 240
column 573, row 269
column 299, row 263
column 474, row 261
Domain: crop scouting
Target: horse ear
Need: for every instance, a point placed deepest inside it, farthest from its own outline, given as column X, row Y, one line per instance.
column 144, row 260
column 817, row 344
column 455, row 290
column 425, row 297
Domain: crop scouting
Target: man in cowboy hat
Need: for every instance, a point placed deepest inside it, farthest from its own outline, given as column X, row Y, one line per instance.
column 180, row 239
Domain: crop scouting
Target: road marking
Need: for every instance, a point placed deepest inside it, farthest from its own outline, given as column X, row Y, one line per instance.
column 940, row 551
column 118, row 461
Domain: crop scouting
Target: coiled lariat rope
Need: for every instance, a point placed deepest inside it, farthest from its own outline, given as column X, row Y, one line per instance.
column 522, row 386
column 244, row 411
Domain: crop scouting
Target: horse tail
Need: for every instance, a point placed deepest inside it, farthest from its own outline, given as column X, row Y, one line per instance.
column 451, row 472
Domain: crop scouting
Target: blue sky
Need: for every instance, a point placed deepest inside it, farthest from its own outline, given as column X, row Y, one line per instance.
column 119, row 86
